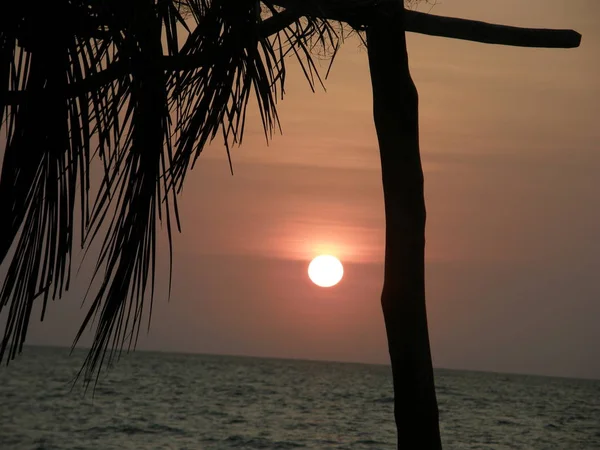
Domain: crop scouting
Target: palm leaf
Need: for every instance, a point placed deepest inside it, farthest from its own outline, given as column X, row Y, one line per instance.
column 141, row 88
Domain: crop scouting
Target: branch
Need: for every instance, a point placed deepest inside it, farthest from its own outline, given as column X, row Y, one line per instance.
column 488, row 33
column 358, row 15
column 174, row 63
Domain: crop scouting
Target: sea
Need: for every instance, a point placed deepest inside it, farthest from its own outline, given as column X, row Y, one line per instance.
column 181, row 401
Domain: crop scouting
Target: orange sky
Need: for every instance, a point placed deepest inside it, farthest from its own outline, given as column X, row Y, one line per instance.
column 510, row 146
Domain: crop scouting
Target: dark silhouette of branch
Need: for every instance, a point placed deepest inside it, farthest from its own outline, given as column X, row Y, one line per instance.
column 359, row 12
column 415, row 21
column 396, row 117
column 171, row 63
column 488, row 33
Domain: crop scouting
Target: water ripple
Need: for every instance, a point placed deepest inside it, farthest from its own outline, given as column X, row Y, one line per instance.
column 162, row 401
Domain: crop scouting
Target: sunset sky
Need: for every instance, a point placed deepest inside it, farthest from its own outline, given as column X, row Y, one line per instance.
column 510, row 140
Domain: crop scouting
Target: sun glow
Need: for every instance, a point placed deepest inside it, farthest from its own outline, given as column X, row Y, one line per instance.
column 325, row 270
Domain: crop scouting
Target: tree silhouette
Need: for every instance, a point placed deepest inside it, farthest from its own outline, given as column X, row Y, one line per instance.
column 113, row 82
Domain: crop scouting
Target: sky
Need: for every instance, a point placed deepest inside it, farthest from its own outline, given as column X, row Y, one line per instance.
column 511, row 149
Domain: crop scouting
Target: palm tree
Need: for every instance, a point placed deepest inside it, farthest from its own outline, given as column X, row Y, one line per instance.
column 138, row 89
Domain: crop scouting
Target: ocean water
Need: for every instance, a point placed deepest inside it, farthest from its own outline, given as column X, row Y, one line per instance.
column 175, row 401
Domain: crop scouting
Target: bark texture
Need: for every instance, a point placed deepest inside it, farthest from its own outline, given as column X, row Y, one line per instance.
column 395, row 104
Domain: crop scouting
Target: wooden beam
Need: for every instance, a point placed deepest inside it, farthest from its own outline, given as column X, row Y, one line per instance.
column 488, row 33
column 358, row 13
column 396, row 116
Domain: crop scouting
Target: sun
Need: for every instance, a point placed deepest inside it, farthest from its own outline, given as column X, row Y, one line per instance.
column 325, row 271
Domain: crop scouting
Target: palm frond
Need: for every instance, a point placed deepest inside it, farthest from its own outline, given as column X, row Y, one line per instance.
column 141, row 87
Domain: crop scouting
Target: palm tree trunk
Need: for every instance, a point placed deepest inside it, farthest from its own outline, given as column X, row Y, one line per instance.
column 395, row 104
